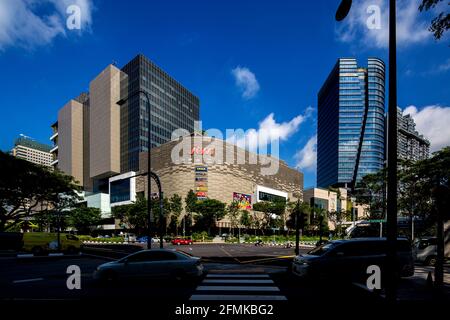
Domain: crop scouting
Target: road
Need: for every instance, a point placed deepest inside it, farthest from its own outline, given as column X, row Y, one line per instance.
column 236, row 273
column 45, row 277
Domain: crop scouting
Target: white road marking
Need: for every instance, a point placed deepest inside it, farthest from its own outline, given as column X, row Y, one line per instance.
column 227, row 275
column 28, row 280
column 236, row 281
column 235, row 297
column 236, row 288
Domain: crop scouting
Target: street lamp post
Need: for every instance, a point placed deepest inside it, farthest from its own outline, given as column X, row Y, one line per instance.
column 149, row 163
column 297, row 228
column 391, row 219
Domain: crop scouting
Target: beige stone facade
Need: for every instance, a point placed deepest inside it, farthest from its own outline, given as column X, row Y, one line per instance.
column 223, row 179
column 70, row 140
column 329, row 200
column 104, row 126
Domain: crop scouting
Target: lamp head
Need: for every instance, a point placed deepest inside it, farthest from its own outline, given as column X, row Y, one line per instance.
column 121, row 102
column 343, row 9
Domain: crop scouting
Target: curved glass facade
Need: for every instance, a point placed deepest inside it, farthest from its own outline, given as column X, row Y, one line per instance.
column 341, row 108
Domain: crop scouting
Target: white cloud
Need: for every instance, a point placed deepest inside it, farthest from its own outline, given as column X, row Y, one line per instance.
column 433, row 122
column 20, row 25
column 307, row 156
column 412, row 27
column 269, row 130
column 444, row 67
column 246, row 81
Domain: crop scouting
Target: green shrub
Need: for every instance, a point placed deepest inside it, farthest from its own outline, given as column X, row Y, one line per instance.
column 201, row 236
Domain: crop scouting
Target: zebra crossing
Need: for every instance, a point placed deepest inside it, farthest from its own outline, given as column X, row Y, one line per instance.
column 236, row 286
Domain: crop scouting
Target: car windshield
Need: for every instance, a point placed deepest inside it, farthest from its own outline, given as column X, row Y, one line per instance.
column 320, row 250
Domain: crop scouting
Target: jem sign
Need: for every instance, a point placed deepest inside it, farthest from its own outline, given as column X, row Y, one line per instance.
column 202, row 151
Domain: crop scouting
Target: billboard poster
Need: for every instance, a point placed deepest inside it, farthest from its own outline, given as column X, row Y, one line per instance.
column 201, row 182
column 244, row 200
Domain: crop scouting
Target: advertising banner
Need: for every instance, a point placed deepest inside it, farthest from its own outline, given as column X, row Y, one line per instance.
column 244, row 200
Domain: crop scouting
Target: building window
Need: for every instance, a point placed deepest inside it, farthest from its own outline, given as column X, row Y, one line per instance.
column 264, row 196
column 120, row 190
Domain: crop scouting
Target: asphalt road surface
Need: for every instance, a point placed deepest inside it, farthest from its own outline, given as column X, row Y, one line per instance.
column 45, row 277
column 236, row 273
column 43, row 280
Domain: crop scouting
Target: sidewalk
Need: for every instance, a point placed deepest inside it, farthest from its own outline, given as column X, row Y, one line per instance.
column 417, row 288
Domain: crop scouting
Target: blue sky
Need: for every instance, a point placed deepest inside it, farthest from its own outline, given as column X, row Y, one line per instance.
column 245, row 60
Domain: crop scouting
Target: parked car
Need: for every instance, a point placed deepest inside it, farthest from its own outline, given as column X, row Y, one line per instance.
column 41, row 243
column 181, row 241
column 349, row 259
column 426, row 250
column 154, row 263
column 130, row 237
column 142, row 239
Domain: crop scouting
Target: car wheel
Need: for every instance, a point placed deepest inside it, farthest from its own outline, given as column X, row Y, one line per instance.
column 178, row 275
column 110, row 276
column 431, row 261
column 38, row 251
column 72, row 250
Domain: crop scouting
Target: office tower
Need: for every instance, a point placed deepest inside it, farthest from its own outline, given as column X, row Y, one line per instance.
column 30, row 150
column 411, row 144
column 68, row 140
column 172, row 107
column 350, row 122
column 95, row 138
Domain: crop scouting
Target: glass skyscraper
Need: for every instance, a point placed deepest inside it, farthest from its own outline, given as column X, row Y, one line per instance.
column 351, row 116
column 172, row 107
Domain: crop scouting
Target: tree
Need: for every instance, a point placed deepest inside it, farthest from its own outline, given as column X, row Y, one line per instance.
column 303, row 209
column 161, row 221
column 370, row 191
column 439, row 24
column 337, row 218
column 319, row 220
column 209, row 211
column 189, row 208
column 246, row 219
column 26, row 187
column 263, row 207
column 133, row 215
column 176, row 207
column 233, row 212
column 84, row 218
column 273, row 212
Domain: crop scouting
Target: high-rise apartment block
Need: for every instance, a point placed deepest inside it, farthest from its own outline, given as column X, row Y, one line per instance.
column 351, row 122
column 411, row 144
column 30, row 150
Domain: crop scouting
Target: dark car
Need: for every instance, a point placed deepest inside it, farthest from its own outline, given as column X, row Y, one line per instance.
column 155, row 263
column 349, row 259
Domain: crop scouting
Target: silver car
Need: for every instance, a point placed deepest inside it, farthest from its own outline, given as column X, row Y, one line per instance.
column 426, row 250
column 154, row 263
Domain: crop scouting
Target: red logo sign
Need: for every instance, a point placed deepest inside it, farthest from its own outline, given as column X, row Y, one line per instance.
column 202, row 151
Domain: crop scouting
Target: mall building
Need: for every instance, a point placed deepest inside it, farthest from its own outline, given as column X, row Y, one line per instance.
column 213, row 169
